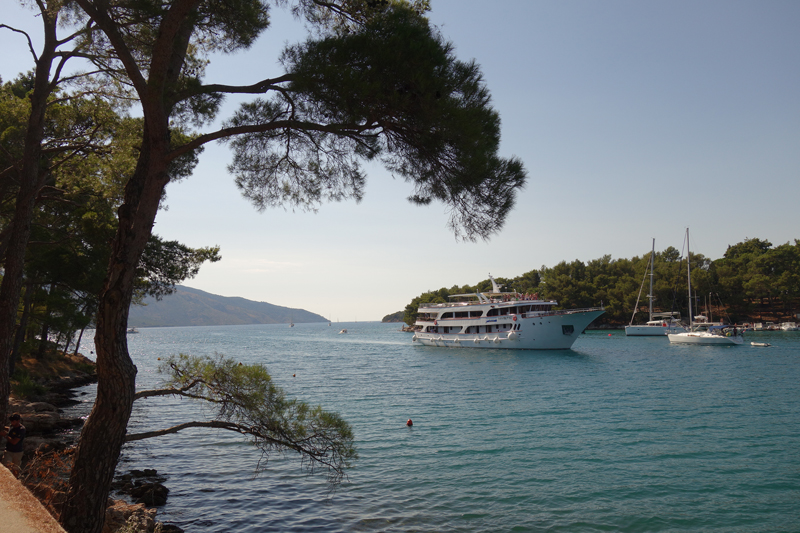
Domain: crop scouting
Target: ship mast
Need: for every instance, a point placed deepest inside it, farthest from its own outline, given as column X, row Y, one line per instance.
column 689, row 279
column 652, row 266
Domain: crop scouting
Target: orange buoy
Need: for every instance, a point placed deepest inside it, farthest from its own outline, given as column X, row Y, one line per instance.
column 294, row 375
column 609, row 334
column 409, row 423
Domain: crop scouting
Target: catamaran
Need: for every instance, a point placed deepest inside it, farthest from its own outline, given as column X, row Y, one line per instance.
column 658, row 324
column 496, row 319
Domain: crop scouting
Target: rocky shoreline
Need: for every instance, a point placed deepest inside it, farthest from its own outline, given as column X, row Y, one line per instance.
column 46, row 429
column 49, row 438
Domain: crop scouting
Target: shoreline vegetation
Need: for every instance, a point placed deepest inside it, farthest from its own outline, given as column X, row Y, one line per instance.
column 42, row 385
column 752, row 282
column 246, row 400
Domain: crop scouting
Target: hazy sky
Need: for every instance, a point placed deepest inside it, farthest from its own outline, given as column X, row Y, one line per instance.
column 634, row 120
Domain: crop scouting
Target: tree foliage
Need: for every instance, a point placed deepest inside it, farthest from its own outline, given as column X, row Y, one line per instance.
column 248, row 402
column 74, row 217
column 391, row 91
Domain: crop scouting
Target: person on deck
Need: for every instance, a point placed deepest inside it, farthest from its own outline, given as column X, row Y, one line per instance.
column 14, row 435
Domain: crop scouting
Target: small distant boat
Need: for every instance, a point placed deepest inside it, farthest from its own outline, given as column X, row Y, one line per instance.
column 343, row 331
column 789, row 326
column 760, row 344
column 133, row 330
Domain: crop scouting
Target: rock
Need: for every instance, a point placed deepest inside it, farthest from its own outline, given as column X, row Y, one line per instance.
column 170, row 528
column 34, row 444
column 78, row 379
column 69, row 423
column 147, row 472
column 38, row 407
column 152, row 494
column 44, row 422
column 119, row 513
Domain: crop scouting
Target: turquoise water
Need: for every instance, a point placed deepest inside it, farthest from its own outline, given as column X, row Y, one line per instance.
column 618, row 434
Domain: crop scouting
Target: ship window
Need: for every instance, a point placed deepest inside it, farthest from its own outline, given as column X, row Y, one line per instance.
column 567, row 330
column 447, row 315
column 475, row 314
column 492, row 312
column 462, row 314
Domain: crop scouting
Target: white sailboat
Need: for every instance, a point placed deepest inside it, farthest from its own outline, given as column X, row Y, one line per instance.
column 658, row 324
column 705, row 333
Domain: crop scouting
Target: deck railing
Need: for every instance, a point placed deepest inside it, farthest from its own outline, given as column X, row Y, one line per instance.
column 531, row 314
column 462, row 304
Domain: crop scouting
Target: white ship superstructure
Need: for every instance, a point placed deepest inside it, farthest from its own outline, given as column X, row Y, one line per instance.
column 501, row 320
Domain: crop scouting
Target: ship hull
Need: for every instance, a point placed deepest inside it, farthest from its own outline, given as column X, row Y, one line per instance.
column 705, row 339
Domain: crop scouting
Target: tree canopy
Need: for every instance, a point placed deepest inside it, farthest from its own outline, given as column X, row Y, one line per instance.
column 752, row 280
column 249, row 403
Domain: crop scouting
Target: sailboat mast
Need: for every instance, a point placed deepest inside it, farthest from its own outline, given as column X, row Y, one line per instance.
column 652, row 265
column 689, row 277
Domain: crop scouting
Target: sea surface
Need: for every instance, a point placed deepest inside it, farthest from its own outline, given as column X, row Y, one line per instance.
column 617, row 434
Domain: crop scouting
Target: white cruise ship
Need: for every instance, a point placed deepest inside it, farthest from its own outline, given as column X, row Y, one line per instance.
column 501, row 320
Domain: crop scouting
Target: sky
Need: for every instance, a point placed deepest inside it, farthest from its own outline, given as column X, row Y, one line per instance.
column 634, row 120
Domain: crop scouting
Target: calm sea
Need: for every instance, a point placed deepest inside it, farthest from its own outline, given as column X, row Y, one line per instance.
column 617, row 434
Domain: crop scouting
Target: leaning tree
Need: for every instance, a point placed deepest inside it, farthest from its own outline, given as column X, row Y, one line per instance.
column 374, row 81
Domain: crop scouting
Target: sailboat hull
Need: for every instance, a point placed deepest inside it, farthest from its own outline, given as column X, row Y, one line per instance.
column 706, row 339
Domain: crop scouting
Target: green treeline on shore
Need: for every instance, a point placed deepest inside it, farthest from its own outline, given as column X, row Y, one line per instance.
column 753, row 281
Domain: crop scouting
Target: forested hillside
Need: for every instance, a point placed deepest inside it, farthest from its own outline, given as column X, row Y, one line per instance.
column 753, row 281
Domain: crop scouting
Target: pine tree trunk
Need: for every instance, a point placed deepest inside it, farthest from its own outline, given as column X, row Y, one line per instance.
column 104, row 432
column 31, row 180
column 19, row 338
column 80, row 339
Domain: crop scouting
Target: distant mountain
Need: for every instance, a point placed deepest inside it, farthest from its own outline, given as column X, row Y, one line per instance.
column 193, row 307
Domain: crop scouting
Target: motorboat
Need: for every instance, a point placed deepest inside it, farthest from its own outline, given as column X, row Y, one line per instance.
column 505, row 320
column 132, row 330
column 705, row 333
column 763, row 344
column 789, row 326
